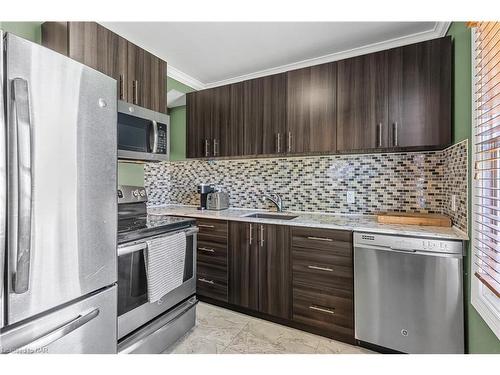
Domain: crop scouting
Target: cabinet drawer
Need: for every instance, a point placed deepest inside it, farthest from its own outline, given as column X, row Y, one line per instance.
column 322, row 310
column 334, row 279
column 337, row 241
column 212, row 253
column 211, row 282
column 212, row 230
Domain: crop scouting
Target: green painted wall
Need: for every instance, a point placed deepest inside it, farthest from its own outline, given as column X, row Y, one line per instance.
column 28, row 30
column 480, row 339
column 130, row 174
column 178, row 123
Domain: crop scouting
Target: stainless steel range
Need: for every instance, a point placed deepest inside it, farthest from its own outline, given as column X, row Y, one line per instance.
column 145, row 327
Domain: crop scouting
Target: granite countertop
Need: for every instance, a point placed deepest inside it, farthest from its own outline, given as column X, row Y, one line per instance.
column 358, row 223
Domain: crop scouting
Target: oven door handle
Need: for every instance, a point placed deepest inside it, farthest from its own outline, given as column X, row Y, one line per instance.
column 128, row 249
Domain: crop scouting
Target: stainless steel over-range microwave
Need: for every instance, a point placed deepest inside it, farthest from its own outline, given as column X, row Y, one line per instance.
column 143, row 135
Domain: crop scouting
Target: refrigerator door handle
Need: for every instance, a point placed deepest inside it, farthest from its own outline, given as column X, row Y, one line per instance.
column 59, row 332
column 23, row 129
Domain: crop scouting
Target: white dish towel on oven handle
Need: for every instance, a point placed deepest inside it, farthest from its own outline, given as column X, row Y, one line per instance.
column 165, row 258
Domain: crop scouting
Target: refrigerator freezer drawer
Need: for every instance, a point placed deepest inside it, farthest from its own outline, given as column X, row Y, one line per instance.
column 87, row 326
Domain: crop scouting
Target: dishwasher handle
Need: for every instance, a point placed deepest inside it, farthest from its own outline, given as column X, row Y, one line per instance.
column 406, row 251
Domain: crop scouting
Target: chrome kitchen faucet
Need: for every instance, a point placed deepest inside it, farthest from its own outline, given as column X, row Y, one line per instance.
column 276, row 199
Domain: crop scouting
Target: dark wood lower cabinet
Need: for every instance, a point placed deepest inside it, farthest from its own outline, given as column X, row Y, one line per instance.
column 302, row 277
column 244, row 265
column 259, row 275
column 323, row 280
column 211, row 260
column 274, row 270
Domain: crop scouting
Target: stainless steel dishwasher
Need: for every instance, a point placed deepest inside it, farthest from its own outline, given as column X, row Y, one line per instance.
column 408, row 293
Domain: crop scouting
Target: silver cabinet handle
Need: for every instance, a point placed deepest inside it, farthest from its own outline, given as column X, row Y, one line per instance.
column 207, row 152
column 23, row 181
column 320, row 239
column 322, row 309
column 121, row 87
column 289, row 141
column 320, row 268
column 154, row 124
column 278, row 143
column 206, row 226
column 216, row 147
column 395, row 133
column 203, row 280
column 136, row 91
column 61, row 331
column 208, row 250
column 250, row 235
column 261, row 236
column 379, row 135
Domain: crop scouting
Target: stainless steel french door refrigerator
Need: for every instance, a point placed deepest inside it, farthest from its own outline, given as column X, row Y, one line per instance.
column 57, row 203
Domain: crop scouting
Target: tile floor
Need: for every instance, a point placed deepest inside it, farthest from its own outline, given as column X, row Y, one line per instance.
column 223, row 331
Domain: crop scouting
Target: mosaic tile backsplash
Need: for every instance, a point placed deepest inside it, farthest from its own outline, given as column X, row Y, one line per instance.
column 418, row 181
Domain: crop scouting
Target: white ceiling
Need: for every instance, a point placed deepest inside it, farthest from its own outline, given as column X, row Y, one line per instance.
column 206, row 54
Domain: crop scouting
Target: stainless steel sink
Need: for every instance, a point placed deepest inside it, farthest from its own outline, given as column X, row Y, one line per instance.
column 264, row 215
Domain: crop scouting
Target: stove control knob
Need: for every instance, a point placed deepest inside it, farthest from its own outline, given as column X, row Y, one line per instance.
column 143, row 193
column 135, row 193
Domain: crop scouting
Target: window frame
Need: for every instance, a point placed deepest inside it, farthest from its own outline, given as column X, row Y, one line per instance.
column 482, row 299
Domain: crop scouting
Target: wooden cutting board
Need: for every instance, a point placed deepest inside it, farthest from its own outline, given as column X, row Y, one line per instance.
column 410, row 218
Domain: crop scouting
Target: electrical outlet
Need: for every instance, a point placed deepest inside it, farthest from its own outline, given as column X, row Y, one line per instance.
column 350, row 197
column 453, row 202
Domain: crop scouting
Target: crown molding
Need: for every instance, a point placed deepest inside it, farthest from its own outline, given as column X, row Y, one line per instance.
column 184, row 78
column 440, row 29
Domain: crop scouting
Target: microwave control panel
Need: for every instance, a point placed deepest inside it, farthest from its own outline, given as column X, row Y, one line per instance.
column 162, row 139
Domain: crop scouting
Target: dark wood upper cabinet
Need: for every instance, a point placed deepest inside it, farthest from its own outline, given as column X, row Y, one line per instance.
column 147, row 76
column 312, row 109
column 236, row 118
column 362, row 102
column 209, row 129
column 140, row 76
column 420, row 94
column 388, row 100
column 264, row 115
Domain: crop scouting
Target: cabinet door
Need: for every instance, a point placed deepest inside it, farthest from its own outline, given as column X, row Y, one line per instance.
column 236, row 118
column 274, row 270
column 193, row 123
column 264, row 114
column 274, row 116
column 243, row 265
column 199, row 120
column 420, row 94
column 312, row 109
column 221, row 132
column 253, row 116
column 135, row 69
column 362, row 102
column 158, row 84
column 101, row 49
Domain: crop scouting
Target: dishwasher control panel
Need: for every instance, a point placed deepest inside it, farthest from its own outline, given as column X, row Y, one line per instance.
column 407, row 243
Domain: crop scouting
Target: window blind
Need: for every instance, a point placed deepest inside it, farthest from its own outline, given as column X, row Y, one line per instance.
column 486, row 149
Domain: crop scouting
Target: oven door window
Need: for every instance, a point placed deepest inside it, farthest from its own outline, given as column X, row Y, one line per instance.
column 132, row 281
column 133, row 133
